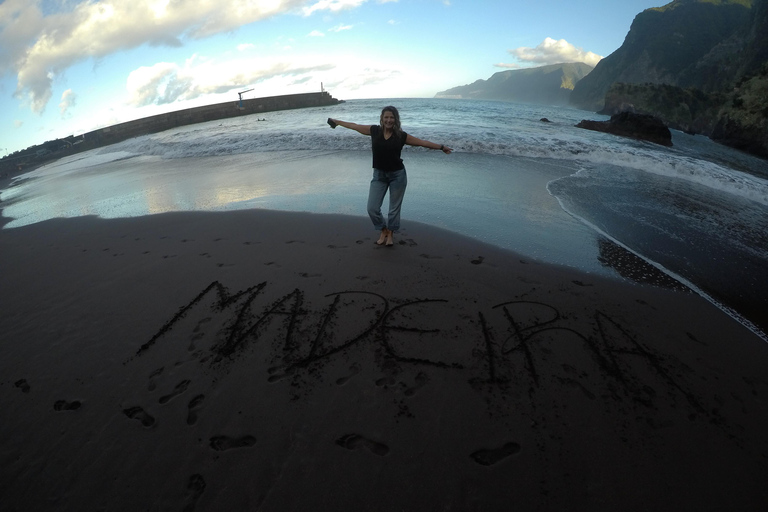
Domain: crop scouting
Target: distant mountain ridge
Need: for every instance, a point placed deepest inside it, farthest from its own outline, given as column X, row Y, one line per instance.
column 547, row 85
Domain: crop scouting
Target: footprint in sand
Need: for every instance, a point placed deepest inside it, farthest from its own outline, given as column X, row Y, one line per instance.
column 137, row 413
column 495, row 455
column 195, row 487
column 355, row 369
column 152, row 384
column 193, row 405
column 179, row 389
column 385, row 382
column 23, row 385
column 354, row 441
column 421, row 381
column 477, row 261
column 63, row 405
column 278, row 373
column 222, row 443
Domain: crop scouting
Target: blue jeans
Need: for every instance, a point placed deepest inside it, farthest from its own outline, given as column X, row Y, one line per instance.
column 395, row 181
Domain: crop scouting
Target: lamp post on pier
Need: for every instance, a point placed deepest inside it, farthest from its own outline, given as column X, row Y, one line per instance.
column 240, row 94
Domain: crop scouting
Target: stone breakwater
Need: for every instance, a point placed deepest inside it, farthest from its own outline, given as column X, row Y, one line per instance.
column 53, row 149
column 161, row 122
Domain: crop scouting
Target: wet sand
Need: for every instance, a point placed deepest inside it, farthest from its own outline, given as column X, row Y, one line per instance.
column 261, row 360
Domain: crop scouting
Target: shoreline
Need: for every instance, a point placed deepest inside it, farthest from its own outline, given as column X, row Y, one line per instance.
column 160, row 122
column 622, row 261
column 252, row 357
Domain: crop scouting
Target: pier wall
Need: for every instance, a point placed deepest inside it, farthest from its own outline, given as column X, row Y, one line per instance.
column 54, row 149
column 161, row 122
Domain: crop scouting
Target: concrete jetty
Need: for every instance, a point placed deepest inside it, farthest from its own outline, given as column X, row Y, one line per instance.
column 54, row 149
column 161, row 122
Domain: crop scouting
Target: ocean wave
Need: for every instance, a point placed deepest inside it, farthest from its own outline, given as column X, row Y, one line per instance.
column 78, row 162
column 486, row 135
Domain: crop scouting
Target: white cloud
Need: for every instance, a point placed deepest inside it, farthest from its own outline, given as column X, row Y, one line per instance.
column 340, row 28
column 145, row 83
column 332, row 5
column 167, row 82
column 511, row 65
column 245, row 46
column 68, row 99
column 551, row 51
column 39, row 47
column 17, row 123
column 315, row 33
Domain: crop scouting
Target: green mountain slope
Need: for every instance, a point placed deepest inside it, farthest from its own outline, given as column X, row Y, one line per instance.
column 699, row 65
column 548, row 85
column 687, row 43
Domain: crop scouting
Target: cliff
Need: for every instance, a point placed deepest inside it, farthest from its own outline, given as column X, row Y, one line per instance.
column 689, row 110
column 547, row 85
column 687, row 43
column 699, row 65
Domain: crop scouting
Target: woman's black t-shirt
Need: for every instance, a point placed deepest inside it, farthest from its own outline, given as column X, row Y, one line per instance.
column 386, row 152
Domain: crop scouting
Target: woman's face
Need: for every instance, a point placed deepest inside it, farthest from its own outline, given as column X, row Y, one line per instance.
column 388, row 120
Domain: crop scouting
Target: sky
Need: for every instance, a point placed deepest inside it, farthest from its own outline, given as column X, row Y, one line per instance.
column 72, row 66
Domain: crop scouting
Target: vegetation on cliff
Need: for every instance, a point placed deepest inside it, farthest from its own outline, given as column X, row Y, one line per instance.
column 687, row 43
column 690, row 110
column 699, row 65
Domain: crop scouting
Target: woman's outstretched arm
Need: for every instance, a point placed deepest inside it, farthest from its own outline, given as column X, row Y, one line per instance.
column 413, row 141
column 359, row 128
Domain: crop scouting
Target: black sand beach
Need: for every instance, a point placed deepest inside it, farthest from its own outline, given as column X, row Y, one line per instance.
column 260, row 360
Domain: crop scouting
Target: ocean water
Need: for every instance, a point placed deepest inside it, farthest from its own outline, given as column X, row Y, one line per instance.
column 693, row 215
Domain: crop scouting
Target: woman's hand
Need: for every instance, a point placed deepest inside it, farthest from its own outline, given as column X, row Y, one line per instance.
column 359, row 128
column 446, row 149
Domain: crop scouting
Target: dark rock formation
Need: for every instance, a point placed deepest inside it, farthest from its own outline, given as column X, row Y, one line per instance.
column 701, row 66
column 636, row 126
column 688, row 110
column 747, row 137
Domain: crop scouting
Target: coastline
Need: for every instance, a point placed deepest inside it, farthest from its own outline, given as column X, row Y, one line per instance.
column 266, row 358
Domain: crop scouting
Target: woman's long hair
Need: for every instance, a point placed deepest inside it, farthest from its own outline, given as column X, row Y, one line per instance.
column 396, row 128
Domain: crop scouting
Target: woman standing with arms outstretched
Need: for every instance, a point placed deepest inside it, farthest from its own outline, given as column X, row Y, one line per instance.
column 387, row 141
